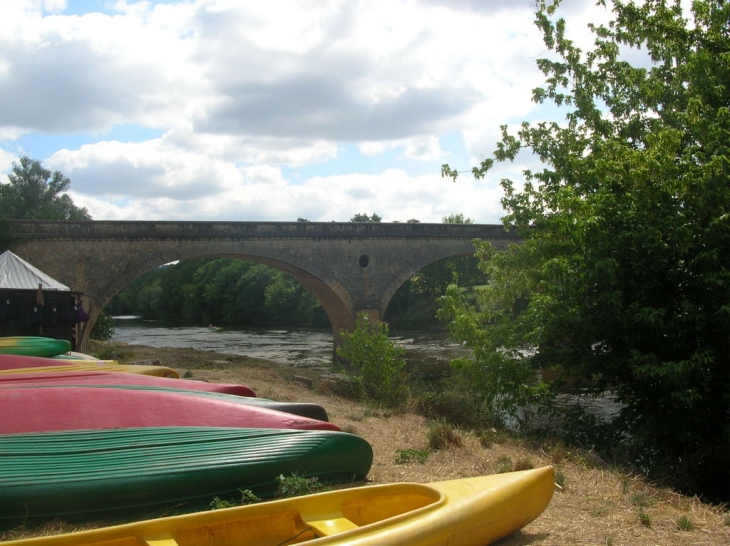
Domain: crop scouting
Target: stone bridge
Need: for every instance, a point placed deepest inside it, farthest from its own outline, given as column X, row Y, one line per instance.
column 350, row 267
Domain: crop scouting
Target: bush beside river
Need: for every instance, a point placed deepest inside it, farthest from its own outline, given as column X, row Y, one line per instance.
column 596, row 505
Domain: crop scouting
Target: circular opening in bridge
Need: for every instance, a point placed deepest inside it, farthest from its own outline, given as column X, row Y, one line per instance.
column 364, row 260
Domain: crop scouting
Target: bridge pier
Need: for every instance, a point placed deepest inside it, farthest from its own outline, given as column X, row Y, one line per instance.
column 373, row 315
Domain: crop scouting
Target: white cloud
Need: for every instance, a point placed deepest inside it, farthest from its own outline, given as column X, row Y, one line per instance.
column 145, row 170
column 352, row 93
column 6, row 160
column 253, row 150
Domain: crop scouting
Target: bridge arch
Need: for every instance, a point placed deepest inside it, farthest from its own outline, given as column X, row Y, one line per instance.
column 416, row 265
column 334, row 298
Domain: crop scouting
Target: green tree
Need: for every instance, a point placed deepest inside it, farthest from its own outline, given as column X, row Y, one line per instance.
column 281, row 296
column 287, row 301
column 365, row 218
column 35, row 193
column 624, row 268
column 150, row 301
column 177, row 282
column 219, row 291
column 129, row 300
column 218, row 280
column 251, row 294
column 457, row 219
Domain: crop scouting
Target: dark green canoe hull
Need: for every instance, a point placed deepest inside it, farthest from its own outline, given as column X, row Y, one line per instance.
column 117, row 473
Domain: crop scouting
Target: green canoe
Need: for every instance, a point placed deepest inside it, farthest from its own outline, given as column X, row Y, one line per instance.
column 116, row 473
column 33, row 346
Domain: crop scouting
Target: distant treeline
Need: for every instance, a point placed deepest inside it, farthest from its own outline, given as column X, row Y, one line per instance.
column 227, row 291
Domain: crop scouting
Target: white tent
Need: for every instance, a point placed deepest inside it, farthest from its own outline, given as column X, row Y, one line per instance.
column 17, row 274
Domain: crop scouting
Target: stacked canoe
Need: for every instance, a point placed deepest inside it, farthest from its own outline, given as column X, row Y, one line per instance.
column 84, row 475
column 83, row 439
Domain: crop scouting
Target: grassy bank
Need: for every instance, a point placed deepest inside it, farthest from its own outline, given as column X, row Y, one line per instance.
column 597, row 504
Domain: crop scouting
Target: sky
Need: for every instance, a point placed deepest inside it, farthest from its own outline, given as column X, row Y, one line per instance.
column 250, row 110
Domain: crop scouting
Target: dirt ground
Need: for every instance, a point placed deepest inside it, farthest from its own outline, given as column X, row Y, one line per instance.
column 597, row 505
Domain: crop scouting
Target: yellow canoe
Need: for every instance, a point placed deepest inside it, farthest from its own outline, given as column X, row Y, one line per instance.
column 28, row 364
column 98, row 366
column 464, row 512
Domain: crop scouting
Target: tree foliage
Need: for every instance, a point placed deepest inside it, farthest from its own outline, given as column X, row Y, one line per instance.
column 35, row 193
column 457, row 219
column 625, row 268
column 221, row 291
column 363, row 217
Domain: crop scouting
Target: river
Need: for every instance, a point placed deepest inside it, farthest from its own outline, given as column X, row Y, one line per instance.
column 427, row 353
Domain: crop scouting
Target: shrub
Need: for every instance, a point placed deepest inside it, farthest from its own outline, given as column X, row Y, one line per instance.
column 524, row 463
column 642, row 499
column 504, row 464
column 296, row 486
column 103, row 329
column 109, row 351
column 442, row 436
column 644, row 518
column 217, row 503
column 404, row 456
column 374, row 362
column 685, row 524
column 247, row 497
column 457, row 407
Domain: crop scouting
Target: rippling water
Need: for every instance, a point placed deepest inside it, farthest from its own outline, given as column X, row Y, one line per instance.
column 426, row 352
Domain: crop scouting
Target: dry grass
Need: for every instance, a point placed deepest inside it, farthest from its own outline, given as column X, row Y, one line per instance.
column 597, row 506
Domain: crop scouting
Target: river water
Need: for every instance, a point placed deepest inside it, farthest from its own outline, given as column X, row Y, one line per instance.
column 426, row 352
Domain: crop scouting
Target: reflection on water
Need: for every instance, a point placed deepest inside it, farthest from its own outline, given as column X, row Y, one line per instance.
column 426, row 352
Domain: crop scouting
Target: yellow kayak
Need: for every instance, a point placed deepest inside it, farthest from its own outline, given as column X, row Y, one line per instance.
column 464, row 512
column 98, row 366
column 28, row 364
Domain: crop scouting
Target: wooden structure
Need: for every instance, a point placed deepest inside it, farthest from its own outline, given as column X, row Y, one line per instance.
column 34, row 304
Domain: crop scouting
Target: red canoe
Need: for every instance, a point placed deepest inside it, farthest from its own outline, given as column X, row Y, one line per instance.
column 41, row 409
column 81, row 378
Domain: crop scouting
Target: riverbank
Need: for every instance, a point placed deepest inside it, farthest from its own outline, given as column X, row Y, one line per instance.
column 597, row 505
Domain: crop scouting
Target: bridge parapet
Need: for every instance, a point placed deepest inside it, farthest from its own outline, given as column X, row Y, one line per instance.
column 40, row 229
